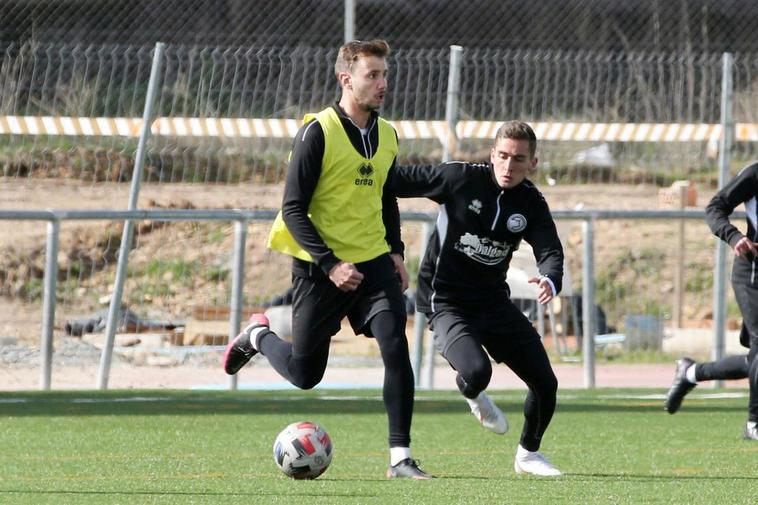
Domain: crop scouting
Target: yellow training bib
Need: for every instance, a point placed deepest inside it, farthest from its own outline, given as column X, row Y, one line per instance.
column 346, row 207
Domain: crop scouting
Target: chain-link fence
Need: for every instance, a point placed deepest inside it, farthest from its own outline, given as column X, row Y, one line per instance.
column 47, row 88
column 687, row 26
column 70, row 111
column 70, row 82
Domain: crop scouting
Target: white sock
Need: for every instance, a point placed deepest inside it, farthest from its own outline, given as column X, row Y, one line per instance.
column 690, row 373
column 254, row 333
column 521, row 452
column 398, row 454
column 473, row 402
column 751, row 425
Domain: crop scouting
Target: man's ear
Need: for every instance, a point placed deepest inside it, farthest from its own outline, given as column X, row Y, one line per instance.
column 346, row 80
column 533, row 167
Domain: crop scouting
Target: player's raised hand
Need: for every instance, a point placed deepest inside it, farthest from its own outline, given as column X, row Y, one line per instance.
column 345, row 276
column 745, row 246
column 544, row 290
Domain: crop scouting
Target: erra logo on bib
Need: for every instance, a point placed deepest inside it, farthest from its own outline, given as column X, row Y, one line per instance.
column 365, row 171
column 516, row 223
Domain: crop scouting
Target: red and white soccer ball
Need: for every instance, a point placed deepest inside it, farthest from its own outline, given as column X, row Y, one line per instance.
column 303, row 450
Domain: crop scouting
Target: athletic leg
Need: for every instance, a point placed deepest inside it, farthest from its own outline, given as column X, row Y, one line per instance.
column 317, row 309
column 304, row 369
column 528, row 359
column 510, row 338
column 379, row 312
column 688, row 374
column 531, row 364
column 389, row 330
column 747, row 298
column 728, row 368
column 473, row 365
column 456, row 340
column 753, row 381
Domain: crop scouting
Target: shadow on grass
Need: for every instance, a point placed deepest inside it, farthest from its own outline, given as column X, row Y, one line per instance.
column 660, row 477
column 317, row 493
column 178, row 403
column 89, row 404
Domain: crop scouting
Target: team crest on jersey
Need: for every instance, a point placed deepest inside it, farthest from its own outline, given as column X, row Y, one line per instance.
column 365, row 171
column 482, row 250
column 516, row 223
column 475, row 206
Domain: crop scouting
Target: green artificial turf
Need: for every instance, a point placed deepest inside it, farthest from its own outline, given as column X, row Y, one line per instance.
column 197, row 447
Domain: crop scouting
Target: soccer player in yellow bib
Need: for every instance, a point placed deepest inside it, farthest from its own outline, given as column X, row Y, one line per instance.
column 343, row 234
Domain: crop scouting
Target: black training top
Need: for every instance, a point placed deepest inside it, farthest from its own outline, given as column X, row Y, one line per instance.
column 303, row 175
column 742, row 189
column 479, row 227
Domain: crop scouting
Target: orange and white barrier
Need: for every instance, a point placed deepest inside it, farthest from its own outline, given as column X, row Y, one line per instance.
column 77, row 126
column 286, row 128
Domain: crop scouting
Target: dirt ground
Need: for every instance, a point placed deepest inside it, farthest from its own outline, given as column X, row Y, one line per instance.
column 43, row 194
column 22, row 321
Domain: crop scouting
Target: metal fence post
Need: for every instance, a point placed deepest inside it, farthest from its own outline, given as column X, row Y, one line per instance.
column 725, row 150
column 429, row 365
column 453, row 95
column 451, row 117
column 419, row 319
column 677, row 315
column 238, row 278
column 588, row 303
column 126, row 240
column 349, row 20
column 48, row 305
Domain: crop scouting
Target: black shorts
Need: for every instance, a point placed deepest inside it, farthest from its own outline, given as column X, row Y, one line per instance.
column 318, row 306
column 499, row 330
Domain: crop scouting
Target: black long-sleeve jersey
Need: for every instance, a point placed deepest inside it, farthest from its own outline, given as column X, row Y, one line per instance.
column 742, row 189
column 302, row 177
column 479, row 227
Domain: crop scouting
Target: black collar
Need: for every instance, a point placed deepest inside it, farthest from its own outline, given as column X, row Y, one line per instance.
column 343, row 115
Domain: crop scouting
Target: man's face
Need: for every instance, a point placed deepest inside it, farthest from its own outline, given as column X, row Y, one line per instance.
column 511, row 161
column 367, row 82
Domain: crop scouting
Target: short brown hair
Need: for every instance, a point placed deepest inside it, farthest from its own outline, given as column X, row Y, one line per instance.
column 518, row 130
column 351, row 51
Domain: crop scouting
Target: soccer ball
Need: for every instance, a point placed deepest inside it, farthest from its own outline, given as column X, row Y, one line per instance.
column 303, row 450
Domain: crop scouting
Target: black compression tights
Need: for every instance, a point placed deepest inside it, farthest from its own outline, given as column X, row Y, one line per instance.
column 306, row 369
column 529, row 362
column 398, row 376
column 753, row 378
column 732, row 368
column 728, row 368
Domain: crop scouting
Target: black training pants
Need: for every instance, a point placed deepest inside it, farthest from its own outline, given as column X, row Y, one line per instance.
column 740, row 367
column 376, row 309
column 467, row 340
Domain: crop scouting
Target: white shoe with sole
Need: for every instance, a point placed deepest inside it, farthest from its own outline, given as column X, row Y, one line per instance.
column 751, row 431
column 534, row 463
column 488, row 414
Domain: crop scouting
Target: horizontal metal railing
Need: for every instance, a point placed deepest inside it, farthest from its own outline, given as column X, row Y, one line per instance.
column 242, row 216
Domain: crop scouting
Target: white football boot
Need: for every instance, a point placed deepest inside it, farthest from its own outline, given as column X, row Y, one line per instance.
column 534, row 463
column 751, row 431
column 488, row 414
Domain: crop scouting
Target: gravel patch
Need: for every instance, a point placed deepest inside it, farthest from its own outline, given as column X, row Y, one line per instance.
column 68, row 352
